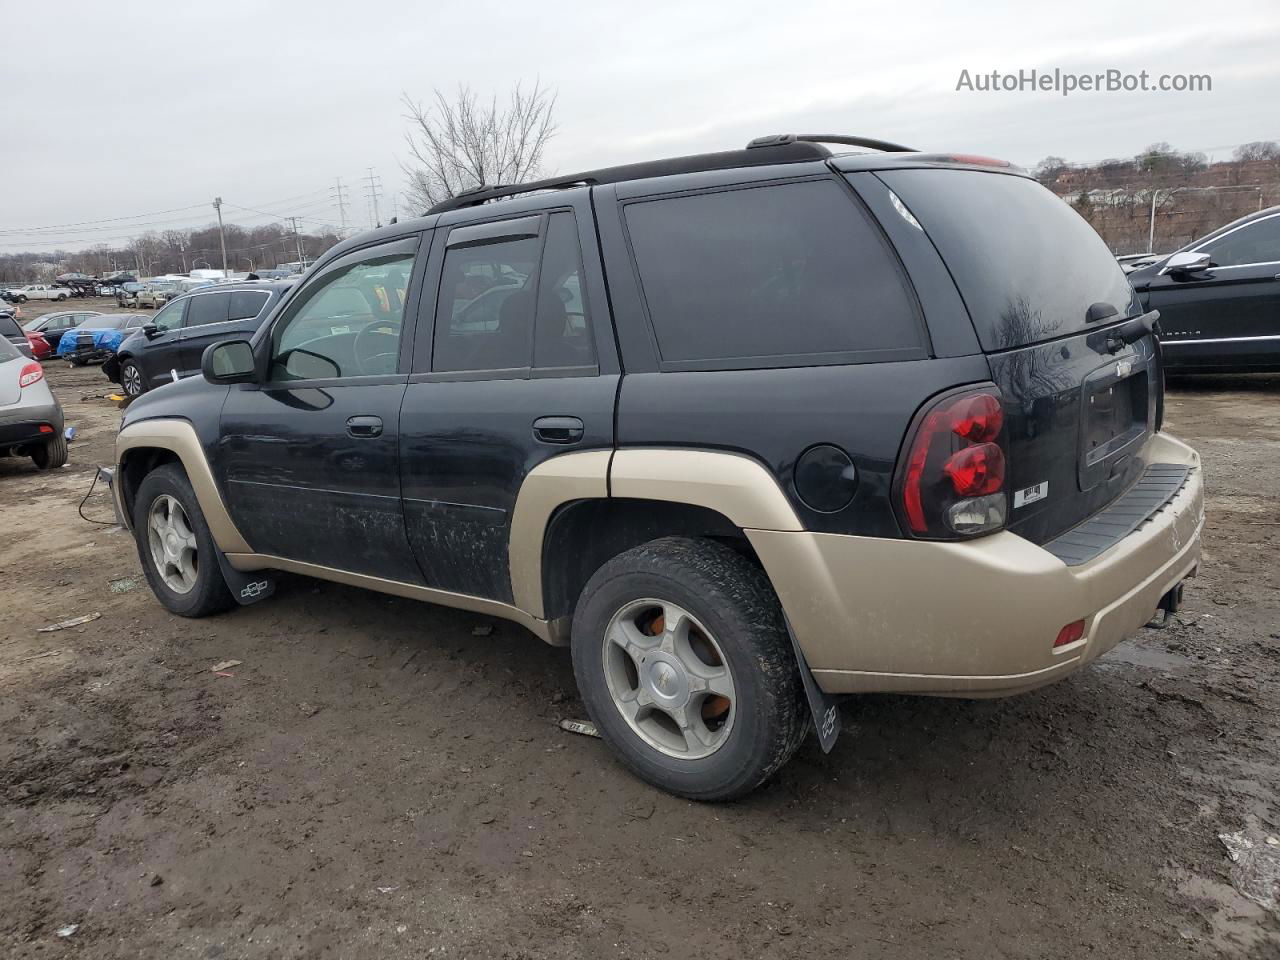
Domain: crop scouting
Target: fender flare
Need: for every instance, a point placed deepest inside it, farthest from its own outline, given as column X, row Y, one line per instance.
column 179, row 437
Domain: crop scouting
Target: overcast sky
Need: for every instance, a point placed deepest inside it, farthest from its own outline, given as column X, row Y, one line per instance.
column 148, row 110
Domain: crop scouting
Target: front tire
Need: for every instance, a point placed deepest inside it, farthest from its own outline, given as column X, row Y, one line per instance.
column 175, row 546
column 683, row 660
column 131, row 380
column 51, row 454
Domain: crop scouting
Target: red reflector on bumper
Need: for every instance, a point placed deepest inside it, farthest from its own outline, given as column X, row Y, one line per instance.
column 1069, row 634
column 45, row 428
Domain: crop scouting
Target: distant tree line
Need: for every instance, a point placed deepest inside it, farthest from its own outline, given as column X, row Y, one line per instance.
column 173, row 251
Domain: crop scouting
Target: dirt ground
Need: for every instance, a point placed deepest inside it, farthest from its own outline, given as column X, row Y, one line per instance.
column 375, row 780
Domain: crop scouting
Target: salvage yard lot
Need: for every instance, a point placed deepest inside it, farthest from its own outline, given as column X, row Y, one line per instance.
column 380, row 778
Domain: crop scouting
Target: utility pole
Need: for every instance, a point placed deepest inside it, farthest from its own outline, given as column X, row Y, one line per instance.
column 297, row 239
column 372, row 185
column 222, row 236
column 342, row 205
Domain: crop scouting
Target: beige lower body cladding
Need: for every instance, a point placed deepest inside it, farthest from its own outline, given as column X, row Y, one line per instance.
column 976, row 618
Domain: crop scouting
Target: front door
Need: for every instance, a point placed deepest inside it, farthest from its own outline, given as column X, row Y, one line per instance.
column 513, row 363
column 1228, row 315
column 309, row 459
column 160, row 359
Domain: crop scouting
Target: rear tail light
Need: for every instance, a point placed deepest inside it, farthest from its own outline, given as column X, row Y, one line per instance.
column 31, row 373
column 952, row 483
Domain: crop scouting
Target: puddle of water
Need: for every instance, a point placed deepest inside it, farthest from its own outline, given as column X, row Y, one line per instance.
column 1235, row 922
column 1151, row 657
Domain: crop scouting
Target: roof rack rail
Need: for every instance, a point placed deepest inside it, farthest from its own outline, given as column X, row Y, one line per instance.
column 777, row 139
column 785, row 151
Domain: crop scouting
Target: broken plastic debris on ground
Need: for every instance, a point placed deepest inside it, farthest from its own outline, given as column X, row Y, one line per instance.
column 1255, row 869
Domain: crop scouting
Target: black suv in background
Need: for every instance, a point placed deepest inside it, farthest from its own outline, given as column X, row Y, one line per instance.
column 1219, row 298
column 747, row 430
column 169, row 346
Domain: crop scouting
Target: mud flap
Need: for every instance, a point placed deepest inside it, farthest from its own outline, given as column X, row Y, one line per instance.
column 247, row 588
column 824, row 707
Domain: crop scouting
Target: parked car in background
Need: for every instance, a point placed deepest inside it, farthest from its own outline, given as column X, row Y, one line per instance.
column 31, row 421
column 98, row 337
column 36, row 291
column 127, row 294
column 53, row 325
column 746, row 430
column 1219, row 298
column 154, row 296
column 40, row 348
column 169, row 347
column 10, row 330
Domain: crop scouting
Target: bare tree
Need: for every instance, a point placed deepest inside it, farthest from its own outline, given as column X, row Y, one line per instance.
column 459, row 144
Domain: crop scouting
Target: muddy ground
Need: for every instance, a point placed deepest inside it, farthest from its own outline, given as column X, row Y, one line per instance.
column 375, row 780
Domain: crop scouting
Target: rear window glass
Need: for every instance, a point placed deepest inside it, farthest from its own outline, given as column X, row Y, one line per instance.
column 7, row 351
column 207, row 308
column 247, row 304
column 9, row 328
column 770, row 276
column 1028, row 266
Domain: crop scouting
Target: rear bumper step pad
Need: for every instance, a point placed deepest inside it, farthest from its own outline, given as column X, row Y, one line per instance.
column 1105, row 529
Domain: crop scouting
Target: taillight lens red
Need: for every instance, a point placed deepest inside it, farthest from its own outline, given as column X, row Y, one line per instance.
column 953, row 481
column 31, row 373
column 1070, row 634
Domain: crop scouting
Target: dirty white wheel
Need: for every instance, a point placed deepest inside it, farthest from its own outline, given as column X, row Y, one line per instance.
column 669, row 679
column 172, row 543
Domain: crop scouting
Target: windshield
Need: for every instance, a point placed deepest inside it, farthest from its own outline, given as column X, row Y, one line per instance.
column 1027, row 265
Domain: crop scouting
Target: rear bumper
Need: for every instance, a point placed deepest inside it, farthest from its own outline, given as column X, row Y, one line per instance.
column 23, row 424
column 977, row 618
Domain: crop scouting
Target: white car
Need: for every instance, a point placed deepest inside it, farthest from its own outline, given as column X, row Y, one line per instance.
column 37, row 291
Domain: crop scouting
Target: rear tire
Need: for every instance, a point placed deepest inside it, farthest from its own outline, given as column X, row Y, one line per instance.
column 61, row 297
column 175, row 545
column 725, row 613
column 51, row 454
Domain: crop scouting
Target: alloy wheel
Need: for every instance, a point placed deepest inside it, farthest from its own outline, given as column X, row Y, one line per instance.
column 172, row 543
column 669, row 679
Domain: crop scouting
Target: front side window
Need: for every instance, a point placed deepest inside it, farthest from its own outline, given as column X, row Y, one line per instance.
column 171, row 317
column 347, row 322
column 770, row 275
column 1258, row 242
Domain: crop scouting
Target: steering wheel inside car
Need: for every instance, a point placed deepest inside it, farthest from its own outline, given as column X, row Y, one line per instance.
column 374, row 357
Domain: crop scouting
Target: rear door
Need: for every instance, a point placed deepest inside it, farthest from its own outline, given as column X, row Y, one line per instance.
column 1063, row 333
column 513, row 364
column 234, row 315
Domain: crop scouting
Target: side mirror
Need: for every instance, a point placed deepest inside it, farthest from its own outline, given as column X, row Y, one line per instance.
column 230, row 361
column 151, row 330
column 1185, row 264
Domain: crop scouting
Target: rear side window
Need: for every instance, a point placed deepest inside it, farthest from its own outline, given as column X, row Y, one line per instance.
column 247, row 304
column 1028, row 266
column 9, row 328
column 771, row 276
column 209, row 308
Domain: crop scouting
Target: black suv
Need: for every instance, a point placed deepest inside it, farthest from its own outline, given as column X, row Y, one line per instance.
column 1219, row 298
column 747, row 430
column 170, row 345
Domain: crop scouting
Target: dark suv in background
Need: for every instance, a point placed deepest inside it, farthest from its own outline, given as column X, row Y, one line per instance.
column 169, row 346
column 747, row 430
